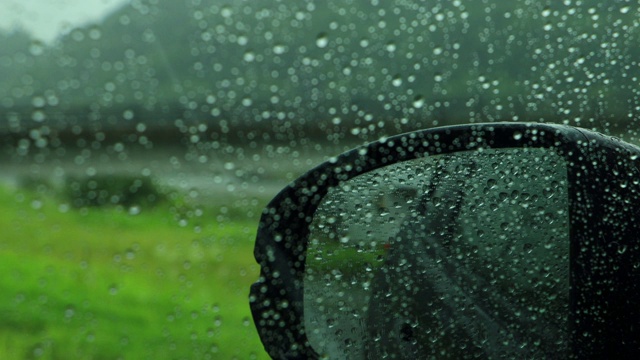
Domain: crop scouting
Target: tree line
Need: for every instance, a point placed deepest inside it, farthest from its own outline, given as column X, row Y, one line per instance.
column 327, row 65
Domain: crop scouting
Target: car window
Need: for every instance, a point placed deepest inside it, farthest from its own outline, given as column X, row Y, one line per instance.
column 140, row 141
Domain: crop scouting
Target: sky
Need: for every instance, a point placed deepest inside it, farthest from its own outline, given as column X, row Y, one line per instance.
column 47, row 19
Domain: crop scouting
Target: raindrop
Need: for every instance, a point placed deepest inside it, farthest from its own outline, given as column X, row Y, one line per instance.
column 130, row 254
column 625, row 9
column 249, row 56
column 52, row 100
column 322, row 40
column 330, row 323
column 95, row 34
column 279, row 49
column 418, row 102
column 517, row 135
column 38, row 116
column 246, row 321
column 113, row 289
column 390, row 47
column 226, row 12
column 38, row 101
column 69, row 312
column 397, row 81
column 36, row 48
column 128, row 115
column 622, row 249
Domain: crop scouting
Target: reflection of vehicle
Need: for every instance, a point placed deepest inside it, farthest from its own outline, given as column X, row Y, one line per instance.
column 450, row 297
column 518, row 241
column 388, row 203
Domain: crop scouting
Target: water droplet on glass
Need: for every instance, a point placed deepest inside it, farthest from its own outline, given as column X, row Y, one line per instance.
column 390, row 47
column 279, row 49
column 134, row 210
column 249, row 56
column 622, row 249
column 38, row 116
column 36, row 48
column 528, row 247
column 38, row 101
column 418, row 102
column 69, row 312
column 226, row 12
column 397, row 81
column 113, row 289
column 322, row 40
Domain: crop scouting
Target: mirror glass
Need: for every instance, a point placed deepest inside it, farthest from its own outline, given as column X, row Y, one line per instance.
column 462, row 255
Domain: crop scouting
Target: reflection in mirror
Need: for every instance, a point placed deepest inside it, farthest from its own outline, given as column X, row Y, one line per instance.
column 461, row 255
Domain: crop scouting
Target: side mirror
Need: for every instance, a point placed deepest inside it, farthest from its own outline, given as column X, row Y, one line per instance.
column 485, row 240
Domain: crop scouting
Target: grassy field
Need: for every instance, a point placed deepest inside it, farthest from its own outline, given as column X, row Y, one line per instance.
column 101, row 283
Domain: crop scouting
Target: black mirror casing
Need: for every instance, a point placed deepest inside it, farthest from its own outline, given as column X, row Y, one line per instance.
column 603, row 188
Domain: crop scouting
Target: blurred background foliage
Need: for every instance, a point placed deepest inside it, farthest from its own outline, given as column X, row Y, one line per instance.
column 269, row 69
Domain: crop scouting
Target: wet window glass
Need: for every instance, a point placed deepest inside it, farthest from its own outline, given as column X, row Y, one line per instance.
column 140, row 141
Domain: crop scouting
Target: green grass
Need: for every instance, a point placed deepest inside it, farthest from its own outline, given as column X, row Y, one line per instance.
column 100, row 283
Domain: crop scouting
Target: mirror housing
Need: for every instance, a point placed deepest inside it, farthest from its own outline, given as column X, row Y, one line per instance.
column 603, row 176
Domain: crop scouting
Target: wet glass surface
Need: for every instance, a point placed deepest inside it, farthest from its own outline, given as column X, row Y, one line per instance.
column 454, row 256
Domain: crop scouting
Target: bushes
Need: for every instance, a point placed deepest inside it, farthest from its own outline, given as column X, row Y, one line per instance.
column 113, row 190
column 102, row 190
